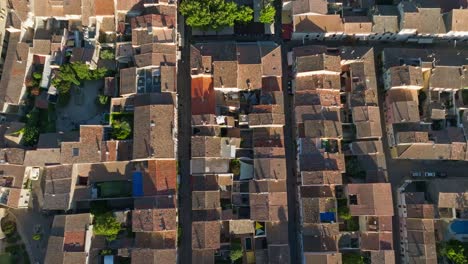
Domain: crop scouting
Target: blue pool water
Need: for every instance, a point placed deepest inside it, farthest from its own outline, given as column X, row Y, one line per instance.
column 459, row 226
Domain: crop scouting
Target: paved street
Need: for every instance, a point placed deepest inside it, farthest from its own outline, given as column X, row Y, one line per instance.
column 184, row 134
column 27, row 221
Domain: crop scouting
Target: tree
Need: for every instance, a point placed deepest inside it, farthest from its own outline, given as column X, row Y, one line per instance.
column 352, row 258
column 454, row 251
column 267, row 14
column 214, row 14
column 121, row 130
column 103, row 99
column 106, row 225
column 236, row 252
column 107, row 55
column 234, row 165
column 8, row 227
column 30, row 136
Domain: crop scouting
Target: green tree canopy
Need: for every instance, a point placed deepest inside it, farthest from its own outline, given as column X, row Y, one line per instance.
column 107, row 55
column 214, row 14
column 236, row 252
column 454, row 251
column 267, row 14
column 352, row 258
column 106, row 225
column 75, row 73
column 121, row 129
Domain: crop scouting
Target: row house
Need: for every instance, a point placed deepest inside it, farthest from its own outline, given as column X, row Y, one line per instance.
column 316, row 20
column 238, row 164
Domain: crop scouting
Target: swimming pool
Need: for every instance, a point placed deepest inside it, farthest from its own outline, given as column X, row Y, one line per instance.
column 459, row 227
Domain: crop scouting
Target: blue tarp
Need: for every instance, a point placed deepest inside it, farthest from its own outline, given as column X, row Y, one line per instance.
column 327, row 217
column 137, row 184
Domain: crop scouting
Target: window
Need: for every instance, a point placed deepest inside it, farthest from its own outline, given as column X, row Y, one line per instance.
column 353, row 199
column 75, row 152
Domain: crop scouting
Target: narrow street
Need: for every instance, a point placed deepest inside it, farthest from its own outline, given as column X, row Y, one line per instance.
column 291, row 179
column 184, row 134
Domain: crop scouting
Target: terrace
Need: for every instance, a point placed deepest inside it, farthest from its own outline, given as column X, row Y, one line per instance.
column 149, row 81
column 113, row 189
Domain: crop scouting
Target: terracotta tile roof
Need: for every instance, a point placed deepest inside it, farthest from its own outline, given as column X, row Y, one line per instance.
column 151, row 256
column 91, row 147
column 58, row 184
column 318, row 23
column 207, row 182
column 320, row 237
column 376, row 241
column 206, row 235
column 203, row 96
column 457, row 20
column 278, row 254
column 268, row 206
column 203, row 256
column 262, row 186
column 269, row 168
column 309, row 6
column 321, row 177
column 128, row 5
column 14, row 70
column 156, row 240
column 206, row 146
column 74, row 241
column 412, row 137
column 165, row 175
column 405, row 76
column 383, row 257
column 322, row 162
column 265, row 119
column 168, row 78
column 104, row 7
column 152, row 20
column 372, row 199
column 206, row 200
column 225, row 74
column 420, row 211
column 154, row 138
column 318, row 62
column 447, row 77
column 366, row 114
column 127, row 81
column 453, row 200
column 357, row 25
column 12, row 155
column 151, row 220
column 330, row 258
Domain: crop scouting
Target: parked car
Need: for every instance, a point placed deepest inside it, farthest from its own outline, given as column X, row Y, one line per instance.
column 429, row 174
column 441, row 174
column 290, row 91
column 416, row 174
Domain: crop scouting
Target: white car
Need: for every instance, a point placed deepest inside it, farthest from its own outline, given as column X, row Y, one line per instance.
column 429, row 174
column 416, row 174
column 35, row 173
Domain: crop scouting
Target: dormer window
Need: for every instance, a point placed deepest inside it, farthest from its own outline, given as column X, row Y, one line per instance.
column 75, row 152
column 353, row 199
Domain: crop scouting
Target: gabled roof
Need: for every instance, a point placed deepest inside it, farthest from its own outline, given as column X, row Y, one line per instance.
column 154, row 136
column 372, row 199
column 318, row 23
column 269, row 206
column 309, row 6
column 206, row 235
column 151, row 220
column 58, row 187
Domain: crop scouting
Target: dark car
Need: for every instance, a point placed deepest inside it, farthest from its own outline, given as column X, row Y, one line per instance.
column 290, row 91
column 441, row 174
